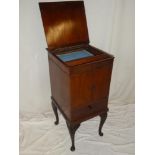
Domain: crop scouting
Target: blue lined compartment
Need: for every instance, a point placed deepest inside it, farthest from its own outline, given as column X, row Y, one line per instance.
column 74, row 55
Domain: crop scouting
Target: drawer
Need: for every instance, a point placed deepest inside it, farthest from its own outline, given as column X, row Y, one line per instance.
column 88, row 111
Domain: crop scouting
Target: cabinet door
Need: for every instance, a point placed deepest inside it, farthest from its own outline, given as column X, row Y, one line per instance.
column 101, row 80
column 81, row 92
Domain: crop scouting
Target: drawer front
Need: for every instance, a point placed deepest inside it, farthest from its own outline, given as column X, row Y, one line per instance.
column 90, row 110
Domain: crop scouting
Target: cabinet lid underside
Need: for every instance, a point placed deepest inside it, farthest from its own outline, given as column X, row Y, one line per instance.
column 64, row 23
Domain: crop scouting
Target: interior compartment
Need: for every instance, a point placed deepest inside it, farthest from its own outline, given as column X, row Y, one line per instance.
column 74, row 55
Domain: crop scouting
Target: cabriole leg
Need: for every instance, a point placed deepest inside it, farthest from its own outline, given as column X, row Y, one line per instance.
column 102, row 121
column 55, row 112
column 72, row 129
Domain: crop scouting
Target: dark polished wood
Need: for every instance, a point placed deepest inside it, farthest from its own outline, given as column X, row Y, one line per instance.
column 80, row 88
column 64, row 23
column 72, row 129
column 55, row 112
column 102, row 121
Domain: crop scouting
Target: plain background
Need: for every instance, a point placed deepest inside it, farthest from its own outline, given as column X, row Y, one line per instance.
column 145, row 76
column 111, row 28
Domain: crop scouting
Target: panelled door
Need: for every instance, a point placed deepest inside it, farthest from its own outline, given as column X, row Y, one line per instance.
column 81, row 88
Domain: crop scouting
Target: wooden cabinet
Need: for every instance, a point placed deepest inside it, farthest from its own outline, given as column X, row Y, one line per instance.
column 80, row 74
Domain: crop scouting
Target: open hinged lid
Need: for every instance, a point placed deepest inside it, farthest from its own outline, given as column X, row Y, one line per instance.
column 64, row 23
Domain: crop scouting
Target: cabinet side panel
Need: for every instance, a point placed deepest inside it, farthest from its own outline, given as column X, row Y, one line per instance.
column 60, row 87
column 101, row 80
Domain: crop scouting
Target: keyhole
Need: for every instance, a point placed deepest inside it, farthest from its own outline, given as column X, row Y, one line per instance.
column 93, row 88
column 89, row 106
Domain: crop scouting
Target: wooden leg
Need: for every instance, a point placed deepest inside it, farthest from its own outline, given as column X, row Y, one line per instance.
column 56, row 113
column 72, row 129
column 103, row 119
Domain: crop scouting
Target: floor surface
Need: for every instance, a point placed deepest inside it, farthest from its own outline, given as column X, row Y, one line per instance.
column 39, row 135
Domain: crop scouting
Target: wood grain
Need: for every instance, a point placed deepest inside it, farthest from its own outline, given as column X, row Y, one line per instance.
column 64, row 23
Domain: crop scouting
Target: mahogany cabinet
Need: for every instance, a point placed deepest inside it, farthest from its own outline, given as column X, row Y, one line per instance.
column 80, row 74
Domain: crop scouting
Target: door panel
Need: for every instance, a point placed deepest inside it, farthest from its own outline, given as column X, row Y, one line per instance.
column 81, row 92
